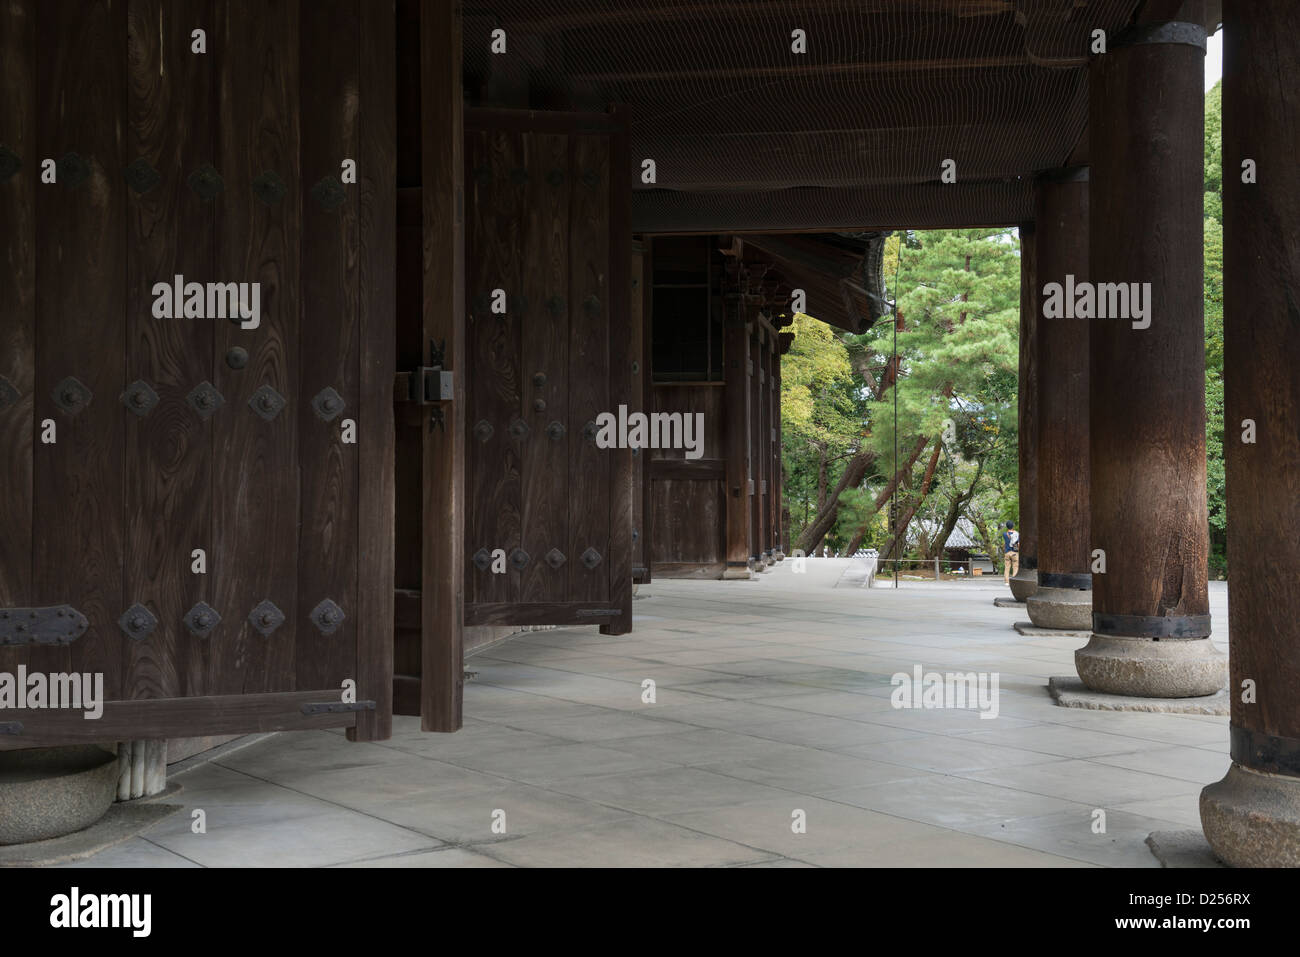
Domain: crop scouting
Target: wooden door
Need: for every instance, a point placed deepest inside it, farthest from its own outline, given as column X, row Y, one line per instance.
column 209, row 502
column 548, row 515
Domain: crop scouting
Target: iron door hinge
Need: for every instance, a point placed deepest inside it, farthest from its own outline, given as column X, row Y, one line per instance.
column 58, row 625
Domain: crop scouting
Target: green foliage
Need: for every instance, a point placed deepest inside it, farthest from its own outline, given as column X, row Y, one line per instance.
column 1215, row 474
column 959, row 295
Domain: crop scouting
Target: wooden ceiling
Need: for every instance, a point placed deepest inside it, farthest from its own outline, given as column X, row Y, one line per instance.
column 748, row 135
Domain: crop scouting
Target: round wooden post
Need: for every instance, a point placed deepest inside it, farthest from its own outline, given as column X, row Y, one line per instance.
column 1151, row 621
column 1252, row 816
column 1064, row 595
column 1025, row 583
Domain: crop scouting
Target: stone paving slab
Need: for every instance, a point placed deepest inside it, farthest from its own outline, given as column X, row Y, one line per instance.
column 773, row 697
column 1009, row 603
column 1030, row 630
column 120, row 823
column 1182, row 849
column 1070, row 692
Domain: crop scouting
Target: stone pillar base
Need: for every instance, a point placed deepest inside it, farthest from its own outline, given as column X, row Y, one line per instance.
column 1069, row 609
column 1252, row 818
column 1146, row 668
column 736, row 573
column 1025, row 582
column 779, row 555
column 48, row 792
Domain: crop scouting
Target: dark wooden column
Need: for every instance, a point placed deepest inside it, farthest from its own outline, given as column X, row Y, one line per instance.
column 735, row 402
column 1252, row 816
column 1063, row 597
column 774, row 446
column 755, row 457
column 1026, row 582
column 763, row 445
column 1151, row 621
column 443, row 549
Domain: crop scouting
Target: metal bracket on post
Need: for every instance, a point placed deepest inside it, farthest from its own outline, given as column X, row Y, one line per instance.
column 429, row 385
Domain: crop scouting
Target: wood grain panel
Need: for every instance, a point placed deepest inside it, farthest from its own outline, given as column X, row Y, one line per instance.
column 18, row 77
column 545, row 333
column 328, row 344
column 255, row 504
column 689, row 521
column 443, row 309
column 77, row 555
column 589, row 305
column 623, row 345
column 493, row 160
column 176, row 717
column 168, row 452
column 376, row 303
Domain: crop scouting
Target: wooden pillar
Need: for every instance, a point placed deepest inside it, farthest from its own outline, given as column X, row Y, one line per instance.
column 1063, row 598
column 762, row 446
column 774, row 435
column 1151, row 621
column 1026, row 581
column 1252, row 816
column 736, row 438
column 755, row 369
column 443, row 548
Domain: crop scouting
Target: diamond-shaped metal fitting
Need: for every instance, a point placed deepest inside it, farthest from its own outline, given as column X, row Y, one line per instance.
column 9, row 163
column 206, row 182
column 205, row 399
column 269, row 188
column 555, row 177
column 589, row 431
column 592, row 306
column 482, row 559
column 72, row 170
column 140, row 398
column 142, row 177
column 519, row 559
column 591, row 178
column 555, row 430
column 265, row 618
column 483, row 430
column 201, row 619
column 328, row 194
column 327, row 617
column 266, row 402
column 519, row 428
column 328, row 404
column 519, row 176
column 555, row 305
column 71, row 396
column 591, row 558
column 8, row 394
column 137, row 622
column 555, row 558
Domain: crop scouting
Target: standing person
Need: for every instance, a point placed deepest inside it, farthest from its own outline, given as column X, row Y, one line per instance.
column 1011, row 553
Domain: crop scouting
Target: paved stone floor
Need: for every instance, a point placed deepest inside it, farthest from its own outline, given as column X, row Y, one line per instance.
column 771, row 697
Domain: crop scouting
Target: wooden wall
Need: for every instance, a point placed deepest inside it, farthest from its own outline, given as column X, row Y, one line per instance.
column 686, row 495
column 107, row 516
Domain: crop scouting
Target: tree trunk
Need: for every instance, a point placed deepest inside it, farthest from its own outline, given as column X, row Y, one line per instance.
column 913, row 503
column 821, row 478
